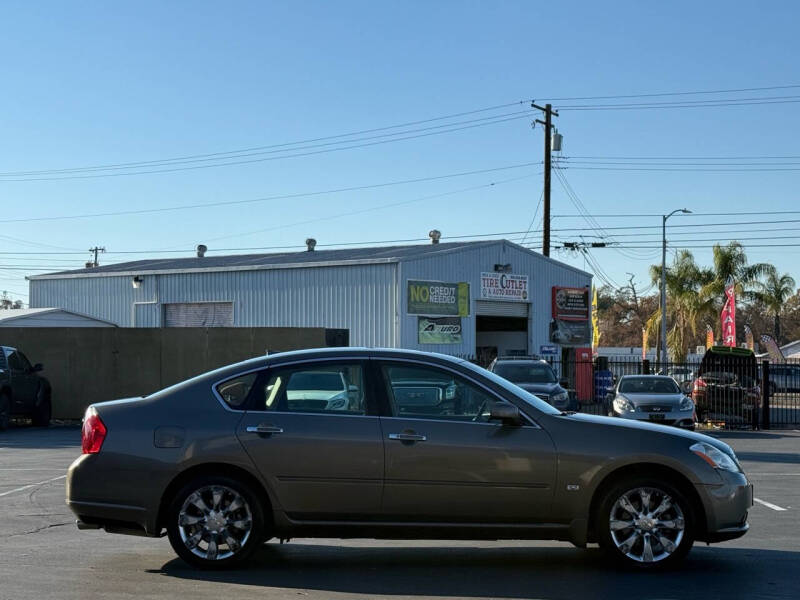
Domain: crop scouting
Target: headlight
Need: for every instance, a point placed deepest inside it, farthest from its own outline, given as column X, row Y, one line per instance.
column 623, row 404
column 716, row 458
column 560, row 397
column 686, row 404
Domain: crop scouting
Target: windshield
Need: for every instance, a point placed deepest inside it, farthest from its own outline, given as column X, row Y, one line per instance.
column 648, row 385
column 538, row 404
column 525, row 373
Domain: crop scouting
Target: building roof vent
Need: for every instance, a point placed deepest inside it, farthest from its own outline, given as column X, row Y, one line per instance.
column 435, row 236
column 201, row 250
column 310, row 244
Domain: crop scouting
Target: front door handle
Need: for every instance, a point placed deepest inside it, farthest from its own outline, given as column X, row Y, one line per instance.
column 264, row 429
column 407, row 437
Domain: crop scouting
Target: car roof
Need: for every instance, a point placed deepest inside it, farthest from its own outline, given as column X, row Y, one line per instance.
column 646, row 377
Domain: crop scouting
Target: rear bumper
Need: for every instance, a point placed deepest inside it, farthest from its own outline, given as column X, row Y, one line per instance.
column 91, row 490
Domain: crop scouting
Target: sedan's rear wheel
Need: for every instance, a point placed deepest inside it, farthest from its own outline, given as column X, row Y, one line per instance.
column 215, row 522
column 645, row 523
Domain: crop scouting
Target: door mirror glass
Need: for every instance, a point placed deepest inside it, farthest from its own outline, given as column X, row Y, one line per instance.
column 37, row 367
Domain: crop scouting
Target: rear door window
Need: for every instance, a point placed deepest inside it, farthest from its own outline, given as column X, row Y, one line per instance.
column 327, row 388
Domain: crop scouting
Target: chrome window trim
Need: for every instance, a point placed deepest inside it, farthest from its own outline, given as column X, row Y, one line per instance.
column 278, row 365
column 489, row 391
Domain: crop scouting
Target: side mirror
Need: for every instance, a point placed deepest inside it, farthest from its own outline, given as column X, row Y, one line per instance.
column 564, row 383
column 505, row 412
column 37, row 367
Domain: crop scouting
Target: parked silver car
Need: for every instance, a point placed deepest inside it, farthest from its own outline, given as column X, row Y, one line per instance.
column 654, row 398
column 427, row 446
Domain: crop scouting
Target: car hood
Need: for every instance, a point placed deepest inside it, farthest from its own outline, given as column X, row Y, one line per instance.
column 644, row 399
column 541, row 388
column 676, row 432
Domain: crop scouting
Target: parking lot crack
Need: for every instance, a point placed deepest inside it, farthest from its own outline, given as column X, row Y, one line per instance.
column 38, row 529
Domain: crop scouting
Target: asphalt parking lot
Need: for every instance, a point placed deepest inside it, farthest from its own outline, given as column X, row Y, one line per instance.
column 45, row 556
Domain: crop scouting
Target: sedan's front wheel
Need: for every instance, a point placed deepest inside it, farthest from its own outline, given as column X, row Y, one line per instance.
column 645, row 523
column 215, row 522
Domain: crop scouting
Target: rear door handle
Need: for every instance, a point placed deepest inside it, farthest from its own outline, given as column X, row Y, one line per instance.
column 407, row 437
column 264, row 429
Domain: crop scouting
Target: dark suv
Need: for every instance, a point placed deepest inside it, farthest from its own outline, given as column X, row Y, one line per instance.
column 535, row 376
column 727, row 384
column 23, row 392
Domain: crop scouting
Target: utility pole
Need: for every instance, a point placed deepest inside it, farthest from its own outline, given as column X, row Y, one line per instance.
column 662, row 353
column 548, row 111
column 95, row 251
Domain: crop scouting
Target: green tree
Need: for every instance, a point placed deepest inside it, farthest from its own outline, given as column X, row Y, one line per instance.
column 731, row 261
column 773, row 292
column 687, row 305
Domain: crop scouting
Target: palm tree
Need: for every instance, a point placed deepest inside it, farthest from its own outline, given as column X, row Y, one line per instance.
column 773, row 292
column 731, row 261
column 686, row 305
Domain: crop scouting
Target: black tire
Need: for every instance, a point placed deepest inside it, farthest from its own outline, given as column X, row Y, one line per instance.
column 215, row 524
column 662, row 556
column 43, row 410
column 5, row 411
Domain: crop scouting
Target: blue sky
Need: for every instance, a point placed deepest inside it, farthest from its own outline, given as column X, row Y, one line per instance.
column 97, row 83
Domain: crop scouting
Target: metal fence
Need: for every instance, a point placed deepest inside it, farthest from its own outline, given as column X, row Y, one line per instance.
column 731, row 393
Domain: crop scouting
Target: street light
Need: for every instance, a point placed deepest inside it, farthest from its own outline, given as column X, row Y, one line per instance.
column 664, row 279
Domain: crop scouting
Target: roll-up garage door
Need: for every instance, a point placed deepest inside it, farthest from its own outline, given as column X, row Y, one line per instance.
column 501, row 309
column 199, row 314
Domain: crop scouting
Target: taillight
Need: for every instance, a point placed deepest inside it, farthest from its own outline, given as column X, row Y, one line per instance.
column 93, row 432
column 699, row 385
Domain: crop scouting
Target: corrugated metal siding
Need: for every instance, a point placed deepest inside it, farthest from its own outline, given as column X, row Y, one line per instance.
column 361, row 298
column 467, row 265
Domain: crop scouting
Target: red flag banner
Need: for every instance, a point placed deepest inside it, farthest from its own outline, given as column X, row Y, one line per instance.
column 728, row 316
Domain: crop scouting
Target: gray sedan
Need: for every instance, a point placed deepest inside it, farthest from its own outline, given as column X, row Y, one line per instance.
column 421, row 446
column 653, row 398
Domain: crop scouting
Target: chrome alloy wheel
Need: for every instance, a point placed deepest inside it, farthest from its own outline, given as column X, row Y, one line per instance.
column 646, row 525
column 215, row 522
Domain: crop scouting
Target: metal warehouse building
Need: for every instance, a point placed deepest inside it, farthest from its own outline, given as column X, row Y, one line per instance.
column 470, row 299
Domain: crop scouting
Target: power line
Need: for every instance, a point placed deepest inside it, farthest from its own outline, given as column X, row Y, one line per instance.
column 688, row 104
column 683, row 170
column 257, row 148
column 283, row 156
column 270, row 198
column 369, row 209
column 689, row 93
column 693, row 214
column 680, row 157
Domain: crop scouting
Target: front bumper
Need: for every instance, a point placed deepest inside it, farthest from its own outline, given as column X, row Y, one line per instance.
column 726, row 507
column 679, row 418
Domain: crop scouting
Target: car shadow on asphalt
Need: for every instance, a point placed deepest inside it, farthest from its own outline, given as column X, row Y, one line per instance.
column 502, row 572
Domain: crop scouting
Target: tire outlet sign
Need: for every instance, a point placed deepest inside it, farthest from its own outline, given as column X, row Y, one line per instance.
column 504, row 286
